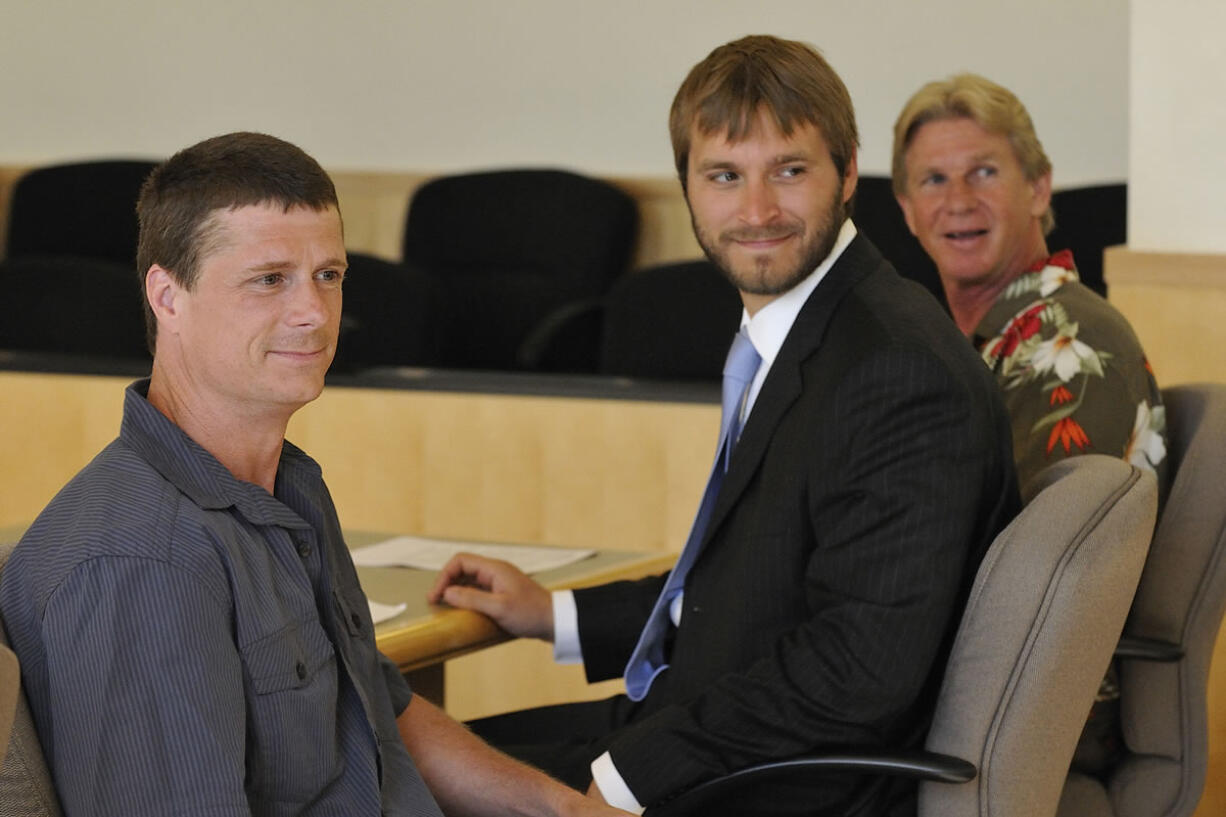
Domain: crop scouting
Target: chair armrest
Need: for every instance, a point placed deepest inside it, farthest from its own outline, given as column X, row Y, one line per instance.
column 567, row 339
column 919, row 765
column 1148, row 649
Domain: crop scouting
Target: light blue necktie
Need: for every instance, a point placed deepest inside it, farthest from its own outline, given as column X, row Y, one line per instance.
column 647, row 660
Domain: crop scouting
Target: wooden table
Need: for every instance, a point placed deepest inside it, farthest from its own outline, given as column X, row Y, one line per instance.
column 422, row 638
column 425, row 635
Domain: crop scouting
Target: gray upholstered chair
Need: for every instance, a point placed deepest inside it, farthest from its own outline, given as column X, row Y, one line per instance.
column 1046, row 609
column 1180, row 602
column 26, row 788
column 10, row 686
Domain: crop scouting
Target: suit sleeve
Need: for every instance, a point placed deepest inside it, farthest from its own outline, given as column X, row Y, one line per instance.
column 897, row 476
column 611, row 616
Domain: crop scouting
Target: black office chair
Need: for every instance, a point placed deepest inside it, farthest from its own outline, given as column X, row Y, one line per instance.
column 507, row 250
column 72, row 306
column 877, row 215
column 86, row 209
column 386, row 316
column 670, row 321
column 1088, row 220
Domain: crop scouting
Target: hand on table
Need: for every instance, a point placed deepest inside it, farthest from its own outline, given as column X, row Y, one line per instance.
column 497, row 589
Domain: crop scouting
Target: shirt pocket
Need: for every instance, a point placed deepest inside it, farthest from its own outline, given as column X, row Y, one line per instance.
column 292, row 749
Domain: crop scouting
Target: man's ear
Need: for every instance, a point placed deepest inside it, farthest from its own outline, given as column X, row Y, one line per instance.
column 162, row 292
column 1042, row 195
column 851, row 177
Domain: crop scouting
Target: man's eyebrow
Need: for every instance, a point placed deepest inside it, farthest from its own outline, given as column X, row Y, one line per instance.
column 728, row 164
column 271, row 266
column 277, row 265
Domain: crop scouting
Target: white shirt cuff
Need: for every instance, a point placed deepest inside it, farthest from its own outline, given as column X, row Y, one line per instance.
column 566, row 646
column 614, row 790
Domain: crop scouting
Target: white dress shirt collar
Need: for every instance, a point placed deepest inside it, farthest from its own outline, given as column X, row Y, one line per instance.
column 769, row 328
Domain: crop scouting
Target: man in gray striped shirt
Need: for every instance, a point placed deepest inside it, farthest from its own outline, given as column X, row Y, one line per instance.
column 190, row 626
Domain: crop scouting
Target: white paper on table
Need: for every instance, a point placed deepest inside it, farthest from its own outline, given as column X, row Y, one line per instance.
column 432, row 554
column 382, row 612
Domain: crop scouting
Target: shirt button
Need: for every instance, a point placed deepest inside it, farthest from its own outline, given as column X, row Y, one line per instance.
column 304, row 548
column 301, row 670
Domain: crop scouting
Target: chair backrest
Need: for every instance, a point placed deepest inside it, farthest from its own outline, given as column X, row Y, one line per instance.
column 670, row 321
column 509, row 248
column 86, row 209
column 1088, row 220
column 879, row 217
column 10, row 687
column 386, row 316
column 26, row 787
column 1043, row 617
column 72, row 305
column 1180, row 600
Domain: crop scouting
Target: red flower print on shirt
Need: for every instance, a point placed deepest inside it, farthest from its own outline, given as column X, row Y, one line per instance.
column 1059, row 396
column 1069, row 432
column 1024, row 326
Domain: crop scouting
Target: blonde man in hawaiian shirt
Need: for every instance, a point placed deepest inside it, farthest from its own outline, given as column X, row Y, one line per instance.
column 975, row 187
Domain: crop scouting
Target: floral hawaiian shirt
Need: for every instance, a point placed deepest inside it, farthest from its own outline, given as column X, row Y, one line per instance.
column 1072, row 372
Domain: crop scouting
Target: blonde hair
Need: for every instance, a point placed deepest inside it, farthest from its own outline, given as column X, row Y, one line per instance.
column 993, row 107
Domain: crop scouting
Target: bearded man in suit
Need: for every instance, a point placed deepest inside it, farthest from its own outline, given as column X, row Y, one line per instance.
column 864, row 466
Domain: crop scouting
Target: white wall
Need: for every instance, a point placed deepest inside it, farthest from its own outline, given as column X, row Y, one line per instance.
column 1177, row 165
column 451, row 84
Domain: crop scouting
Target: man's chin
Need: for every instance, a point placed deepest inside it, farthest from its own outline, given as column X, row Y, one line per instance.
column 759, row 279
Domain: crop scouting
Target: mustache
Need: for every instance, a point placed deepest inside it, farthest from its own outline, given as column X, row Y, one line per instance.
column 768, row 233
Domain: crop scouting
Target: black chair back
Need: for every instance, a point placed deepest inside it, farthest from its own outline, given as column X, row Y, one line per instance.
column 673, row 321
column 72, row 306
column 86, row 209
column 508, row 249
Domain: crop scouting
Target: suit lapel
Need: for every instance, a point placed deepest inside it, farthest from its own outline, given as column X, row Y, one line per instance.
column 784, row 383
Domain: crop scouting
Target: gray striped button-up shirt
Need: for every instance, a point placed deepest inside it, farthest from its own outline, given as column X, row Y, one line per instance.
column 192, row 645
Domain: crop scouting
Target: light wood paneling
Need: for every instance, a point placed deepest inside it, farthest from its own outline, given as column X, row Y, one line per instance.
column 1213, row 803
column 614, row 474
column 1177, row 305
column 50, row 427
column 8, row 177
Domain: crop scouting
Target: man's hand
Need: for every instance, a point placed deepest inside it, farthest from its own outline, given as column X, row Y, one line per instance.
column 499, row 590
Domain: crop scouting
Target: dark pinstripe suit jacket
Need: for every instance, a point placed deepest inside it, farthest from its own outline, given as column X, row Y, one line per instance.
column 873, row 472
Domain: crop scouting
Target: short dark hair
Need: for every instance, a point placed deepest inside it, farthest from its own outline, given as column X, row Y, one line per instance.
column 179, row 200
column 788, row 79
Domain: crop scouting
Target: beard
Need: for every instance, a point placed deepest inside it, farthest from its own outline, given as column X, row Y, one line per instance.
column 763, row 275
